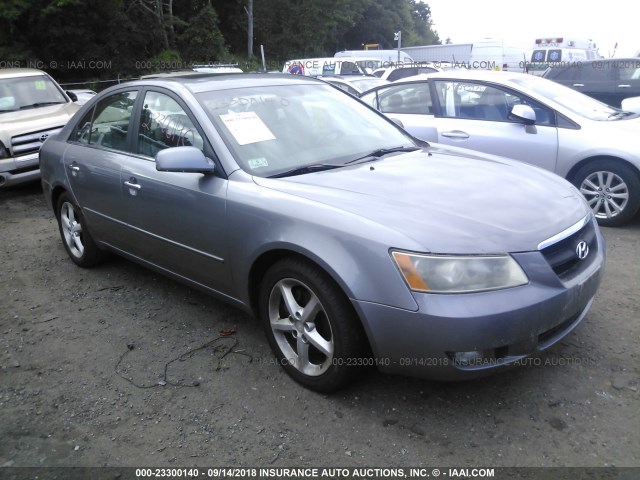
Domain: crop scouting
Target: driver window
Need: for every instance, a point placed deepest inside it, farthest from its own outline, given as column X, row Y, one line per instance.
column 165, row 124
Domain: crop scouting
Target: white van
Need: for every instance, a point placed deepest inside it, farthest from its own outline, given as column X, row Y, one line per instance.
column 493, row 54
column 560, row 52
column 332, row 66
column 389, row 58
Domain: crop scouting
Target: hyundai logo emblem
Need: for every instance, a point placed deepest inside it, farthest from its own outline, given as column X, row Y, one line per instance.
column 43, row 137
column 582, row 250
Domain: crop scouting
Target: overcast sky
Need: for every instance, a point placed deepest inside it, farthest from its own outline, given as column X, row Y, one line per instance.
column 522, row 21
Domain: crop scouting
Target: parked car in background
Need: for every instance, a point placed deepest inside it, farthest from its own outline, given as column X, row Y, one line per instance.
column 355, row 244
column 332, row 66
column 609, row 80
column 398, row 72
column 354, row 84
column 32, row 107
column 528, row 118
column 80, row 96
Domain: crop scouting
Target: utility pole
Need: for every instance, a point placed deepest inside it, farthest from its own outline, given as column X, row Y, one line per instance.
column 398, row 37
column 250, row 30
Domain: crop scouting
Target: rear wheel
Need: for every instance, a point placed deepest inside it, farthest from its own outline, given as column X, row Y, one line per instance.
column 76, row 238
column 612, row 190
column 310, row 325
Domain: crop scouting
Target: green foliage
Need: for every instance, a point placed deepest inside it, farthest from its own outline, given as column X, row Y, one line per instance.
column 202, row 41
column 107, row 39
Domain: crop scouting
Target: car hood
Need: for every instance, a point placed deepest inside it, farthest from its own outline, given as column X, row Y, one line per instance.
column 448, row 200
column 35, row 119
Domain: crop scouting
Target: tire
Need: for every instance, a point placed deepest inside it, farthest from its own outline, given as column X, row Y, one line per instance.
column 612, row 190
column 76, row 238
column 317, row 337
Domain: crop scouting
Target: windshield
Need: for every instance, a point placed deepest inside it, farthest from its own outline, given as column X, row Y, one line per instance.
column 275, row 129
column 22, row 93
column 570, row 99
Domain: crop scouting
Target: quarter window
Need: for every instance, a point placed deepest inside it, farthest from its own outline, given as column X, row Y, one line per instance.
column 165, row 124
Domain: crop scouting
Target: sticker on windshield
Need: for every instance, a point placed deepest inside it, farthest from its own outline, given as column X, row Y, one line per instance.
column 40, row 85
column 258, row 162
column 247, row 127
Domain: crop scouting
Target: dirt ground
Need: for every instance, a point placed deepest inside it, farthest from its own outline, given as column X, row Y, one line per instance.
column 101, row 367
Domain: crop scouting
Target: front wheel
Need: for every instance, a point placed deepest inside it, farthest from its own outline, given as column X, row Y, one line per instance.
column 76, row 238
column 611, row 189
column 310, row 325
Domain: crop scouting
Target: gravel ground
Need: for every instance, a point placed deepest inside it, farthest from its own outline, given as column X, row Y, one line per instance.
column 103, row 367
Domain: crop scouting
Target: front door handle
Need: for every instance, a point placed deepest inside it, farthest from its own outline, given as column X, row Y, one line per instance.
column 133, row 185
column 456, row 134
column 578, row 84
column 624, row 86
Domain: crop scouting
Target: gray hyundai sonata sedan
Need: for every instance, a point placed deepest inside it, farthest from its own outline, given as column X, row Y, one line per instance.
column 353, row 243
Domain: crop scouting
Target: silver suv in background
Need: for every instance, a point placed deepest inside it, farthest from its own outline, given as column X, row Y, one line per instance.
column 32, row 108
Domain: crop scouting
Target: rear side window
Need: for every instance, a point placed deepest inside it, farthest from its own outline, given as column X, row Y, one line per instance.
column 412, row 98
column 402, row 73
column 107, row 124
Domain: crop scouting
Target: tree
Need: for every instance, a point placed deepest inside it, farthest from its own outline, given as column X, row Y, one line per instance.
column 202, row 41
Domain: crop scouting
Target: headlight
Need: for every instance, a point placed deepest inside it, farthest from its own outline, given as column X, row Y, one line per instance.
column 459, row 274
column 4, row 153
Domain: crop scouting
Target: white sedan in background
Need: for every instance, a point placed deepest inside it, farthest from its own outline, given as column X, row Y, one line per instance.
column 593, row 145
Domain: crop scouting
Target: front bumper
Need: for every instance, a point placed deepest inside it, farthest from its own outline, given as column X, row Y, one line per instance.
column 507, row 326
column 16, row 171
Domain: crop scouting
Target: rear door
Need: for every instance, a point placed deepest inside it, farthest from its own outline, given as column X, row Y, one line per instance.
column 98, row 148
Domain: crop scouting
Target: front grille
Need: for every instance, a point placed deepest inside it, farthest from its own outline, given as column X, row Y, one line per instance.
column 562, row 256
column 31, row 142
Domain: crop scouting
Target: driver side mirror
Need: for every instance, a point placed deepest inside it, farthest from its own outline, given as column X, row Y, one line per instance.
column 183, row 159
column 72, row 95
column 523, row 114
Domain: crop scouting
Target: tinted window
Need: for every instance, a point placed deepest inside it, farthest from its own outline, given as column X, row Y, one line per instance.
column 538, row 55
column 402, row 73
column 165, row 124
column 554, row 55
column 111, row 117
column 629, row 70
column 412, row 98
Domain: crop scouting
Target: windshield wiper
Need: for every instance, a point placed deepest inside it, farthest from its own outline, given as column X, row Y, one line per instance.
column 39, row 104
column 316, row 167
column 381, row 152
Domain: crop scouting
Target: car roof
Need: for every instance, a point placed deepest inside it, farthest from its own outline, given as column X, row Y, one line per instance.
column 462, row 74
column 204, row 82
column 20, row 72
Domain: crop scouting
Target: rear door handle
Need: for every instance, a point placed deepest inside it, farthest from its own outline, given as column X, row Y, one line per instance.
column 455, row 134
column 578, row 84
column 75, row 169
column 624, row 86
